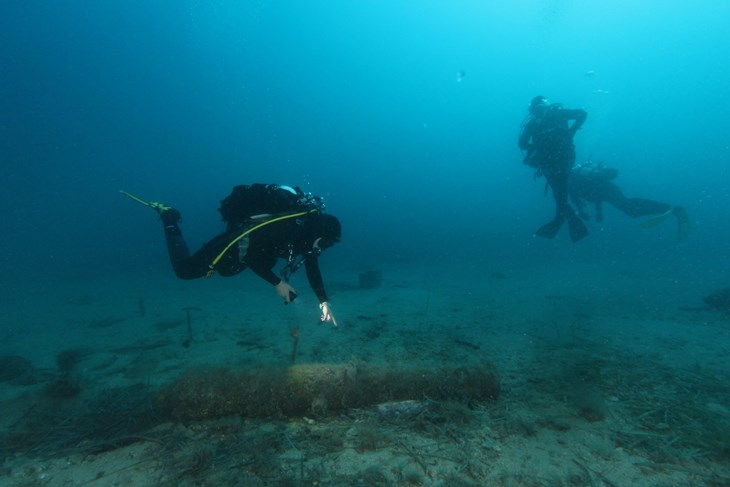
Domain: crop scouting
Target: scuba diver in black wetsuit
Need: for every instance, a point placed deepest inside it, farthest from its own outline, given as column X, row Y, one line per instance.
column 547, row 138
column 593, row 183
column 265, row 222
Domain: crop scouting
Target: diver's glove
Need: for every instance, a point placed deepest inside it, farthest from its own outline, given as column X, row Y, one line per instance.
column 327, row 314
column 286, row 292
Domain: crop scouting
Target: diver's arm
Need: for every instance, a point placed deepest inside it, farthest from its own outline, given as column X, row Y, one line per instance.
column 314, row 276
column 315, row 280
column 578, row 116
column 263, row 268
column 524, row 140
column 262, row 264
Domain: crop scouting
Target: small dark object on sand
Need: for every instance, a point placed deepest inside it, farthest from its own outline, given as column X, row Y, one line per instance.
column 467, row 344
column 719, row 300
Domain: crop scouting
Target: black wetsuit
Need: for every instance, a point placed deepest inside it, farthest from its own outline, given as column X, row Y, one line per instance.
column 548, row 140
column 591, row 184
column 260, row 250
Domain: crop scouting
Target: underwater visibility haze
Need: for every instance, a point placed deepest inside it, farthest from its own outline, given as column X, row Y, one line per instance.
column 404, row 116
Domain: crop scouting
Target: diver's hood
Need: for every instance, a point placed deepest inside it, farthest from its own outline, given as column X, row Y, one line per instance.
column 320, row 225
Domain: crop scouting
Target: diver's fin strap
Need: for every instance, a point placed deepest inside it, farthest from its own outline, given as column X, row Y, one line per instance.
column 233, row 242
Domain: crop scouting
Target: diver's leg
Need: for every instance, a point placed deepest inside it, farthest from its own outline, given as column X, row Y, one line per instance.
column 633, row 207
column 599, row 211
column 551, row 228
column 185, row 266
column 636, row 207
column 576, row 228
column 563, row 211
column 176, row 246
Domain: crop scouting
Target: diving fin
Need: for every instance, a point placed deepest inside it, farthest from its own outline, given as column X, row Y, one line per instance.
column 576, row 228
column 683, row 224
column 550, row 229
column 654, row 221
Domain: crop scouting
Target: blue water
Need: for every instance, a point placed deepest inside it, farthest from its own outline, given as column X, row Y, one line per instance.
column 402, row 114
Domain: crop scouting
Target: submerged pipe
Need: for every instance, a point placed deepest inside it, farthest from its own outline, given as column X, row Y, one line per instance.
column 300, row 389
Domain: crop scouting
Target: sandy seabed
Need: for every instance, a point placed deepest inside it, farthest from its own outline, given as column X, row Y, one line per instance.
column 623, row 384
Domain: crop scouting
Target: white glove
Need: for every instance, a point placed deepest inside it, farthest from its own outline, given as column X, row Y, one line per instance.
column 327, row 314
